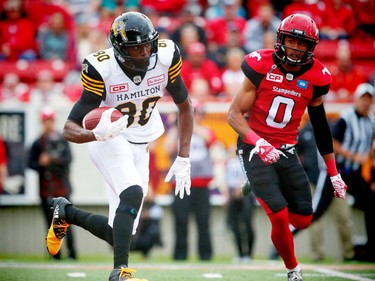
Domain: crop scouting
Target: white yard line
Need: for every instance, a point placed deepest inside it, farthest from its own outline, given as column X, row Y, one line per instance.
column 348, row 276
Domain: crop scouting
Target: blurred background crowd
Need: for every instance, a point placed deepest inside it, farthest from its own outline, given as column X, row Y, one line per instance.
column 43, row 42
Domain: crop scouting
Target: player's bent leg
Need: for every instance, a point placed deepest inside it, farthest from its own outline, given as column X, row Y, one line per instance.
column 59, row 226
column 126, row 213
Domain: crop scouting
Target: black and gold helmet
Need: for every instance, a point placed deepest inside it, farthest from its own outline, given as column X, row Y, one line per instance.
column 133, row 29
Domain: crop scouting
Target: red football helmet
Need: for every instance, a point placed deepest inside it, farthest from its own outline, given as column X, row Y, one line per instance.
column 302, row 27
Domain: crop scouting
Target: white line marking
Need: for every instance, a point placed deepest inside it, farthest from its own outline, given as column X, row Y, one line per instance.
column 335, row 273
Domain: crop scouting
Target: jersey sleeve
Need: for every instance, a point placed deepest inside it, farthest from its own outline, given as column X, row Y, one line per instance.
column 176, row 86
column 254, row 65
column 322, row 79
column 92, row 95
column 91, row 80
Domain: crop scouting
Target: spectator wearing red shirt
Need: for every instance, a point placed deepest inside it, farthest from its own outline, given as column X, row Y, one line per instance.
column 303, row 7
column 198, row 66
column 345, row 76
column 165, row 7
column 338, row 21
column 364, row 12
column 218, row 28
column 17, row 33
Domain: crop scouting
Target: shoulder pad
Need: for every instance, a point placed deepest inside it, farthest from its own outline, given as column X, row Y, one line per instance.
column 260, row 60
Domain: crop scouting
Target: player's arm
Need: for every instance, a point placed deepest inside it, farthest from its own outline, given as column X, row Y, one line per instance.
column 323, row 138
column 240, row 105
column 179, row 93
column 181, row 165
column 92, row 95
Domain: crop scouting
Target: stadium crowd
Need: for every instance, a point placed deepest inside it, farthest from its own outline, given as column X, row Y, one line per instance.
column 43, row 42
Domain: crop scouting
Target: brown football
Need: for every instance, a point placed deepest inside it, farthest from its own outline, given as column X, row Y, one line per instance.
column 92, row 118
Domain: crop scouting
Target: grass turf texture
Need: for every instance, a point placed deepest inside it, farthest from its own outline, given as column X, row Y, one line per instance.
column 13, row 268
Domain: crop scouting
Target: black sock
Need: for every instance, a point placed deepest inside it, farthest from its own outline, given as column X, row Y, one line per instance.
column 95, row 224
column 130, row 202
column 122, row 237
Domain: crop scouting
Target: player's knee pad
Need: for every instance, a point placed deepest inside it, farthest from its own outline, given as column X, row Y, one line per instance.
column 130, row 200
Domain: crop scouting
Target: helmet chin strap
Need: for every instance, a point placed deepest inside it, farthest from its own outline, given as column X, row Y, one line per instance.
column 129, row 64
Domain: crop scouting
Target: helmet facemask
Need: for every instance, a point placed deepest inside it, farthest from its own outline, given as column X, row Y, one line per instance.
column 305, row 57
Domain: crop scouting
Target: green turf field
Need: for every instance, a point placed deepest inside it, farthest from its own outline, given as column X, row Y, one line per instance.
column 14, row 269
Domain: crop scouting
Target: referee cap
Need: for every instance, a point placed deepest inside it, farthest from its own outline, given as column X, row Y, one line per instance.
column 364, row 88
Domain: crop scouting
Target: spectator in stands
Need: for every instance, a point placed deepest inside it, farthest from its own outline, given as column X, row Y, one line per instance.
column 3, row 164
column 17, row 33
column 40, row 13
column 309, row 8
column 217, row 28
column 234, row 40
column 252, row 7
column 258, row 26
column 46, row 90
column 197, row 65
column 201, row 175
column 90, row 38
column 190, row 20
column 345, row 76
column 188, row 34
column 54, row 39
column 200, row 89
column 364, row 12
column 13, row 90
column 170, row 8
column 233, row 75
column 216, row 9
column 85, row 10
column 338, row 21
column 50, row 156
column 240, row 208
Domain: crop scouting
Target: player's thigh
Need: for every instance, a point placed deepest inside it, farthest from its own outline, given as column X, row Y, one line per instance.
column 141, row 161
column 115, row 160
column 265, row 185
column 295, row 185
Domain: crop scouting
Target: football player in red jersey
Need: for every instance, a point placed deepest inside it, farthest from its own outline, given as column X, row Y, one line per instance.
column 266, row 113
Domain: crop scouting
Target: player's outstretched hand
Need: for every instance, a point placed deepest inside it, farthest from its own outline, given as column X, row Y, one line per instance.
column 339, row 186
column 181, row 170
column 107, row 129
column 266, row 151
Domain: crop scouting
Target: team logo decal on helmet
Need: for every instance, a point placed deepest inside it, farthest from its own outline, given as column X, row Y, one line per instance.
column 118, row 28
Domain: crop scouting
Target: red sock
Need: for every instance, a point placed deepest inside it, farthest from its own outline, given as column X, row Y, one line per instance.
column 282, row 238
column 299, row 221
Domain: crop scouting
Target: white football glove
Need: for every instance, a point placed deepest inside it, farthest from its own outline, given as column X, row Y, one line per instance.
column 266, row 151
column 181, row 170
column 107, row 129
column 339, row 186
